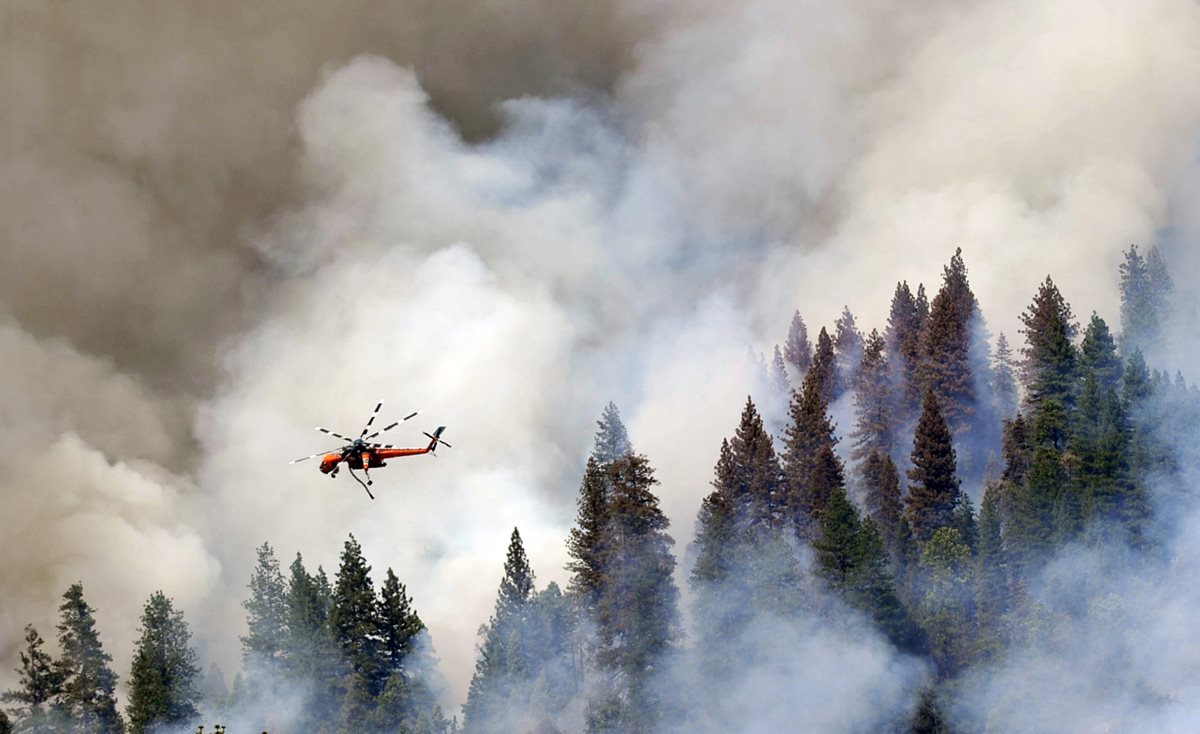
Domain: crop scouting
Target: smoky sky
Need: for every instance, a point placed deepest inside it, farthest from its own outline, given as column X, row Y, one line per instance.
column 226, row 223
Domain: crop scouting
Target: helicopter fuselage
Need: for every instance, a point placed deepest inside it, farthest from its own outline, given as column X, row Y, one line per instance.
column 370, row 458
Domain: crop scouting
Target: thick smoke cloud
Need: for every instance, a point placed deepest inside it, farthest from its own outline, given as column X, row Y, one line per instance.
column 228, row 227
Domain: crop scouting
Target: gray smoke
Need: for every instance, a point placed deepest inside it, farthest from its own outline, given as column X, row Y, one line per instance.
column 228, row 226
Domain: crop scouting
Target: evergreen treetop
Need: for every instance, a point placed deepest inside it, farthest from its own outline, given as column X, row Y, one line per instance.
column 1098, row 354
column 612, row 440
column 88, row 683
column 164, row 675
column 755, row 480
column 875, row 422
column 809, row 431
column 266, row 609
column 848, row 350
column 933, row 491
column 1049, row 367
column 823, row 371
column 1004, row 383
column 946, row 365
column 797, row 350
column 40, row 686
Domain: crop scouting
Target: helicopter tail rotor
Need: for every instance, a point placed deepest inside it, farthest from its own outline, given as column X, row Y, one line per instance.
column 435, row 438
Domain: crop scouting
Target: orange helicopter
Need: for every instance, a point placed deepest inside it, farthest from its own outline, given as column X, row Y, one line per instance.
column 360, row 453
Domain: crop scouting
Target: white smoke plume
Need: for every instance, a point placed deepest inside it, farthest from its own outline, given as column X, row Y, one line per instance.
column 261, row 220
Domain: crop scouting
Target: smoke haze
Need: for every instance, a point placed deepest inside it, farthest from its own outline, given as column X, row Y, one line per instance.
column 222, row 227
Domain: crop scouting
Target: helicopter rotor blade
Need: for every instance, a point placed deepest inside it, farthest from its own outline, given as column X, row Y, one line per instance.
column 312, row 456
column 371, row 419
column 335, row 435
column 413, row 414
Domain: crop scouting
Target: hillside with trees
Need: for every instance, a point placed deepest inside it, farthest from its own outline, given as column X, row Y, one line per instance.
column 926, row 532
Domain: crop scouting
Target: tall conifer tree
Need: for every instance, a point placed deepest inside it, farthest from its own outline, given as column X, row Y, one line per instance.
column 884, row 504
column 88, row 683
column 755, row 484
column 263, row 647
column 313, row 660
column 1146, row 289
column 946, row 364
column 1037, row 512
column 164, row 676
column 587, row 540
column 39, row 710
column 874, row 403
column 823, row 371
column 1098, row 354
column 797, row 350
column 354, row 618
column 637, row 615
column 1050, row 362
column 612, row 440
column 904, row 337
column 933, row 492
column 505, row 668
column 1004, row 382
column 848, row 350
column 992, row 596
column 810, row 431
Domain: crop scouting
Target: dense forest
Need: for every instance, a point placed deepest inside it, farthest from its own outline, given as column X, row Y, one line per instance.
column 925, row 535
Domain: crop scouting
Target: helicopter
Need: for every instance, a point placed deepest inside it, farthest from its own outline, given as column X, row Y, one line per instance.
column 361, row 453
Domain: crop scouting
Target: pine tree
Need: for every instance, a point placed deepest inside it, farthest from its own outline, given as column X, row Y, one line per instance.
column 875, row 425
column 933, row 492
column 505, row 669
column 1109, row 498
column 88, row 683
column 354, row 619
column 884, row 505
column 755, row 484
column 41, row 686
column 947, row 611
column 1032, row 527
column 797, row 350
column 946, row 364
column 1004, row 383
column 407, row 701
column 399, row 625
column 848, row 351
column 779, row 376
column 838, row 543
column 1098, row 354
column 810, row 431
column 905, row 333
column 853, row 562
column 1018, row 451
column 163, row 678
column 1146, row 289
column 823, row 371
column 828, row 475
column 586, row 542
column 612, row 440
column 1050, row 366
column 266, row 620
column 637, row 615
column 313, row 660
column 558, row 675
column 992, row 596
